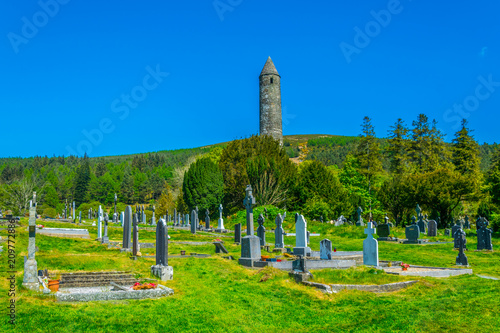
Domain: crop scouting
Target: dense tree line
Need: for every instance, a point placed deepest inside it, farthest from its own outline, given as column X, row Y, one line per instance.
column 412, row 164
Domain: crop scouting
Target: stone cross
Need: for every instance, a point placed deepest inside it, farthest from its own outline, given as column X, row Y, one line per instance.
column 99, row 223
column 193, row 221
column 359, row 222
column 30, row 278
column 207, row 219
column 220, row 211
column 462, row 241
column 418, row 210
column 248, row 203
column 370, row 247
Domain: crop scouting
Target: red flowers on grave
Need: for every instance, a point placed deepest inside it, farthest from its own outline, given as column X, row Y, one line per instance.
column 138, row 286
column 404, row 266
column 40, row 226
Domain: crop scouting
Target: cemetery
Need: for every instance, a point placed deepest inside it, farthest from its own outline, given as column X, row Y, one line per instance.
column 153, row 184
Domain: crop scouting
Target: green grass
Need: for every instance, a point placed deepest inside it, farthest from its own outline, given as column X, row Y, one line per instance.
column 218, row 295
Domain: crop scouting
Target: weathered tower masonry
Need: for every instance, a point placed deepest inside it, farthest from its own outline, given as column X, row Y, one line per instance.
column 270, row 101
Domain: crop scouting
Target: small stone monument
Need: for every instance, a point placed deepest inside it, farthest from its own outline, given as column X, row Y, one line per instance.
column 432, row 228
column 454, row 230
column 412, row 233
column 370, row 247
column 220, row 227
column 30, row 279
column 207, row 219
column 467, row 222
column 105, row 238
column 325, row 249
column 279, row 234
column 135, row 246
column 193, row 221
column 462, row 241
column 115, row 214
column 383, row 232
column 261, row 230
column 420, row 223
column 162, row 270
column 237, row 234
column 359, row 222
column 127, row 229
column 484, row 235
column 153, row 219
column 301, row 248
column 250, row 244
column 99, row 224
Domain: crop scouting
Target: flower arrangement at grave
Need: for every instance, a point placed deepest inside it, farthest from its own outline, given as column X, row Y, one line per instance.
column 40, row 226
column 139, row 286
column 404, row 266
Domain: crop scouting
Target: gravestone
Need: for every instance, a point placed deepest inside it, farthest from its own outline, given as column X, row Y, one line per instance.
column 279, row 233
column 467, row 222
column 237, row 233
column 325, row 249
column 412, row 233
column 127, row 229
column 308, row 234
column 220, row 248
column 105, row 238
column 383, row 232
column 301, row 248
column 115, row 214
column 135, row 246
column 454, row 230
column 90, row 214
column 74, row 211
column 122, row 218
column 30, row 278
column 484, row 235
column 162, row 270
column 220, row 227
column 261, row 230
column 462, row 241
column 207, row 219
column 153, row 219
column 80, row 217
column 359, row 222
column 420, row 223
column 432, row 228
column 250, row 244
column 144, row 215
column 176, row 221
column 248, row 202
column 193, row 221
column 99, row 224
column 370, row 247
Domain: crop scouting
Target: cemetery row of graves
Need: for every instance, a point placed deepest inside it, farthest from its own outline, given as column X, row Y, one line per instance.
column 141, row 260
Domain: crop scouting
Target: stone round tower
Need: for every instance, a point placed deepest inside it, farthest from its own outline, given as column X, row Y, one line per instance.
column 270, row 101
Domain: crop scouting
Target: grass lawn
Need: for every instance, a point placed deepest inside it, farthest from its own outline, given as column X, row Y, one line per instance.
column 218, row 295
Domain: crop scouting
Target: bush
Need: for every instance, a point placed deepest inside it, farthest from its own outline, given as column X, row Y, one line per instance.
column 495, row 222
column 315, row 208
column 49, row 212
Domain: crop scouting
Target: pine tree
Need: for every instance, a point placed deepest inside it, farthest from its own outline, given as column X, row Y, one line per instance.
column 82, row 181
column 466, row 152
column 494, row 178
column 203, row 185
column 398, row 148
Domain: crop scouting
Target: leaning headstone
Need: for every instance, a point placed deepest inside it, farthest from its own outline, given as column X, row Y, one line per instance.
column 412, row 233
column 279, row 233
column 162, row 270
column 261, row 230
column 484, row 235
column 30, row 278
column 127, row 229
column 432, row 228
column 237, row 233
column 250, row 244
column 462, row 241
column 325, row 249
column 301, row 248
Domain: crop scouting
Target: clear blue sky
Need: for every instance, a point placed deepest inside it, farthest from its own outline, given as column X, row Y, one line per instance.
column 67, row 70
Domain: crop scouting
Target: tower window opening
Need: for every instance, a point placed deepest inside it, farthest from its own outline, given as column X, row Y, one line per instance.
column 272, row 80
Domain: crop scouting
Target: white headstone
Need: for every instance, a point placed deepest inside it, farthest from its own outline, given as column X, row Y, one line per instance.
column 301, row 247
column 370, row 246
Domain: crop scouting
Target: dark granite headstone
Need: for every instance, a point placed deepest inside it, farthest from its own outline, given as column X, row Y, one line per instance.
column 483, row 235
column 461, row 258
column 432, row 228
column 237, row 233
column 261, row 230
column 454, row 229
column 412, row 233
column 383, row 231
